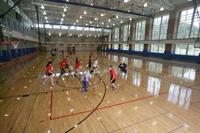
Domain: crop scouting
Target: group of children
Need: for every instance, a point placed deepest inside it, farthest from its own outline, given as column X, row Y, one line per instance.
column 87, row 75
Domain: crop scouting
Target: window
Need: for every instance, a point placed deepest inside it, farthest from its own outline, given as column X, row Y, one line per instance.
column 185, row 23
column 140, row 30
column 160, row 26
column 139, row 47
column 116, row 34
column 195, row 33
column 125, row 47
column 158, row 48
column 126, row 33
column 116, row 46
column 189, row 24
column 187, row 49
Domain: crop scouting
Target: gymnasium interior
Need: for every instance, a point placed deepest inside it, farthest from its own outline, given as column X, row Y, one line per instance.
column 60, row 66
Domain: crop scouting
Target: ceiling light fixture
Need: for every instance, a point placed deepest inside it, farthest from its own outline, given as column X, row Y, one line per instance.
column 63, row 15
column 85, row 12
column 145, row 4
column 109, row 20
column 44, row 13
column 81, row 17
column 95, row 18
column 125, row 1
column 77, row 21
column 91, row 22
column 65, row 9
column 117, row 16
column 130, row 19
column 102, row 14
column 162, row 8
column 46, row 17
column 42, row 6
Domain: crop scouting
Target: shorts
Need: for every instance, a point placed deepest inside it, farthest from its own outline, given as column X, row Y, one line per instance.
column 62, row 70
column 49, row 74
column 113, row 81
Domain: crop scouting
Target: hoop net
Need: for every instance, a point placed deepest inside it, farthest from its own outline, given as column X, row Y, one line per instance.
column 15, row 44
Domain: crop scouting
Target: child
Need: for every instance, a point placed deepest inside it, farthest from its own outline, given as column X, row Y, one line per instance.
column 49, row 72
column 85, row 80
column 95, row 65
column 123, row 70
column 77, row 66
column 62, row 66
column 90, row 62
column 113, row 77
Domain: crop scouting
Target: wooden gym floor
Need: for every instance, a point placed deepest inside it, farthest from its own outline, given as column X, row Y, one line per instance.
column 159, row 96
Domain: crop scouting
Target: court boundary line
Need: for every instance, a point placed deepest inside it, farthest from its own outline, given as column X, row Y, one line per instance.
column 100, row 108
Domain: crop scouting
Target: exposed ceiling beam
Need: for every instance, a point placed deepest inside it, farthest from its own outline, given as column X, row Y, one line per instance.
column 100, row 7
column 89, row 26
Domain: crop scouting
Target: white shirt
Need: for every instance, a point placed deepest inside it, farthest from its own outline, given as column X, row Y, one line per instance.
column 87, row 76
column 95, row 63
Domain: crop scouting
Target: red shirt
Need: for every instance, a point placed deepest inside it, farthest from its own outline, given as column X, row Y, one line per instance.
column 77, row 65
column 49, row 69
column 66, row 62
column 62, row 64
column 113, row 74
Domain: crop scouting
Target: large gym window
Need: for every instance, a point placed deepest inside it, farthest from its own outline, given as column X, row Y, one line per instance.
column 125, row 47
column 140, row 30
column 116, row 34
column 158, row 48
column 189, row 24
column 116, row 38
column 139, row 47
column 187, row 49
column 126, row 33
column 116, row 46
column 160, row 26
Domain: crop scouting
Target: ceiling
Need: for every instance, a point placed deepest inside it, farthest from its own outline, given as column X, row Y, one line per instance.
column 62, row 13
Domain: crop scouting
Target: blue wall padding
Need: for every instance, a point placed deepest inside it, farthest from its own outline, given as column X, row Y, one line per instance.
column 167, row 55
column 5, row 56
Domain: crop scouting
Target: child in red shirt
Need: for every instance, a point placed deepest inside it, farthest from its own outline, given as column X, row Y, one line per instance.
column 77, row 66
column 62, row 65
column 113, row 77
column 49, row 72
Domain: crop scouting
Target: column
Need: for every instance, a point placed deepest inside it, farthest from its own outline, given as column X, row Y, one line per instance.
column 170, row 32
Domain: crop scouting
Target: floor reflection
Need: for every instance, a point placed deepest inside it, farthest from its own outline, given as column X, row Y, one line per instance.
column 115, row 58
column 136, row 79
column 153, row 85
column 124, row 59
column 184, row 73
column 137, row 63
column 179, row 95
column 155, row 67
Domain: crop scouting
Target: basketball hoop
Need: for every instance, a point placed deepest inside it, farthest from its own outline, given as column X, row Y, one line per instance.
column 15, row 44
